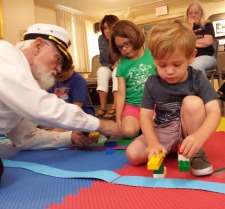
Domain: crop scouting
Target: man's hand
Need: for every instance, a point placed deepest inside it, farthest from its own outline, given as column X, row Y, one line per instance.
column 109, row 128
column 80, row 140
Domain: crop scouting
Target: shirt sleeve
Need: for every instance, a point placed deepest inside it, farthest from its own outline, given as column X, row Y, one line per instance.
column 209, row 29
column 202, row 87
column 119, row 69
column 27, row 136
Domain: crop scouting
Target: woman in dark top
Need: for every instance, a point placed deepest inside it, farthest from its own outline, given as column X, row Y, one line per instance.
column 204, row 33
column 108, row 69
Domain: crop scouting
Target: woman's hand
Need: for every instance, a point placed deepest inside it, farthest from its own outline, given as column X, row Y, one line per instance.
column 115, row 65
column 191, row 22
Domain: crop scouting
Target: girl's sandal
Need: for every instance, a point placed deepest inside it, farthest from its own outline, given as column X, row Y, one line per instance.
column 110, row 115
column 100, row 113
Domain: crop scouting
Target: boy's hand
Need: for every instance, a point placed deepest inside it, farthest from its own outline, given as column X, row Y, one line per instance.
column 191, row 145
column 155, row 147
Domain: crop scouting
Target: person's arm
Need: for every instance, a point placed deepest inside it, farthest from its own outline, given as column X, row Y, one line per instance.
column 208, row 38
column 147, row 127
column 115, row 65
column 146, row 119
column 104, row 52
column 120, row 99
column 22, row 97
column 21, row 94
column 206, row 41
column 196, row 140
column 26, row 135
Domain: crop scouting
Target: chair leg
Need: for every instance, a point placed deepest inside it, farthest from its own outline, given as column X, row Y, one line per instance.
column 220, row 79
column 222, row 107
column 212, row 80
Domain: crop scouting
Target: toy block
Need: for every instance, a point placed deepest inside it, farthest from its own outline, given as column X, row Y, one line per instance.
column 110, row 143
column 110, row 151
column 155, row 161
column 160, row 170
column 182, row 158
column 184, row 166
column 183, row 162
column 91, row 134
column 94, row 135
column 102, row 139
column 2, row 136
column 162, row 175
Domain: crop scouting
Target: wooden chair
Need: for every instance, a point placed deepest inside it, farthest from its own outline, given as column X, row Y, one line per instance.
column 213, row 74
column 92, row 83
column 218, row 74
column 95, row 64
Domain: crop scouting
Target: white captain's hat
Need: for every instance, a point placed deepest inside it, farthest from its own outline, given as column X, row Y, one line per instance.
column 56, row 34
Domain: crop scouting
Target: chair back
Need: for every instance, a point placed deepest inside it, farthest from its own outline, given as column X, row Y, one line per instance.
column 95, row 64
column 213, row 73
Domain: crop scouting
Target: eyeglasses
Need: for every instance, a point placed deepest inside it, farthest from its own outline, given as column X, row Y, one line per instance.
column 59, row 59
column 125, row 45
column 194, row 13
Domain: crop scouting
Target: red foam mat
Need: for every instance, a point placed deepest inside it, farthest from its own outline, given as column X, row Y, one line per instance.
column 104, row 195
column 109, row 196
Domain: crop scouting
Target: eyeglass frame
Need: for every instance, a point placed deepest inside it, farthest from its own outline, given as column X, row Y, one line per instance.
column 125, row 45
column 196, row 13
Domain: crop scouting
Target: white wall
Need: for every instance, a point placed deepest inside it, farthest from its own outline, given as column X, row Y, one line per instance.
column 214, row 7
column 150, row 16
column 17, row 15
column 92, row 40
column 44, row 15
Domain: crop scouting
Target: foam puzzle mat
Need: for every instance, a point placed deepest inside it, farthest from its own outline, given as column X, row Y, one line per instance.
column 22, row 188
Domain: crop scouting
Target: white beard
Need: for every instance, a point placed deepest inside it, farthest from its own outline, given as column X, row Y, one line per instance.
column 45, row 78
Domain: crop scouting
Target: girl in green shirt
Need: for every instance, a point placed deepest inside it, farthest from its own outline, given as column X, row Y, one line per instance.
column 135, row 66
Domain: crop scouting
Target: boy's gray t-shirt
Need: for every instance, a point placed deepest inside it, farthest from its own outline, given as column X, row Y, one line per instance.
column 168, row 97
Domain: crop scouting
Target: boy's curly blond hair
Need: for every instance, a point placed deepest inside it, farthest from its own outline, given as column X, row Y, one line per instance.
column 168, row 36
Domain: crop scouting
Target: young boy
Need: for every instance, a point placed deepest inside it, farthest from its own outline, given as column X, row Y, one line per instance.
column 72, row 88
column 187, row 110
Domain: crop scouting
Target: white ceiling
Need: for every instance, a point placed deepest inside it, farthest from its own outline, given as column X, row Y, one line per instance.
column 98, row 8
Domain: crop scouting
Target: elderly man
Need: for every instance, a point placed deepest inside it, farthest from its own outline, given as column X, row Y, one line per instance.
column 29, row 68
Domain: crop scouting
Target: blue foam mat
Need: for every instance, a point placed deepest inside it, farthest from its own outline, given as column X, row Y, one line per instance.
column 23, row 189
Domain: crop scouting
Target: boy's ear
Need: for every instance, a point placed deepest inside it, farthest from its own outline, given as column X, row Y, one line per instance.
column 192, row 57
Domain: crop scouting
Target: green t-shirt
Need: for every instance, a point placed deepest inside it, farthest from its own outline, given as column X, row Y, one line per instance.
column 135, row 73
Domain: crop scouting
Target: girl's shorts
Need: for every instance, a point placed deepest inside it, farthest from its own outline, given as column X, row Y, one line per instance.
column 130, row 110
